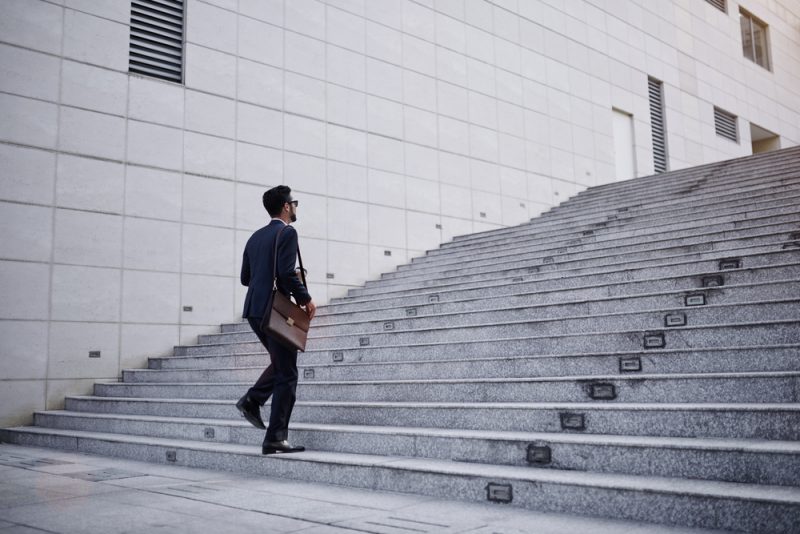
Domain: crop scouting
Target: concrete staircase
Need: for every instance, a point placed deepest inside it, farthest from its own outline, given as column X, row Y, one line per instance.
column 633, row 353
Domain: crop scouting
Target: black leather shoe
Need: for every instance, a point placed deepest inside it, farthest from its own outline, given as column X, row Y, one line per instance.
column 251, row 411
column 278, row 447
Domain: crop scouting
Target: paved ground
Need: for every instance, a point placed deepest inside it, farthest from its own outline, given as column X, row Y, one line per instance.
column 44, row 490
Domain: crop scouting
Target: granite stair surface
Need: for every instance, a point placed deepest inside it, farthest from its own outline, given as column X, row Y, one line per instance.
column 632, row 353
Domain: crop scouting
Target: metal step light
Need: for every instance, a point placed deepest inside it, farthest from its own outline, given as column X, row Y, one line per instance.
column 730, row 263
column 674, row 319
column 539, row 454
column 411, row 312
column 654, row 340
column 208, row 433
column 502, row 493
column 94, row 353
column 172, row 456
column 713, row 281
column 630, row 365
column 308, row 373
column 388, row 325
column 532, row 270
column 363, row 342
column 338, row 356
column 572, row 421
column 433, row 298
column 517, row 279
column 602, row 391
column 793, row 242
column 587, row 233
column 548, row 260
column 696, row 299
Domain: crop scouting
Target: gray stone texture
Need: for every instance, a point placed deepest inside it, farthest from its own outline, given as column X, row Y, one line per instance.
column 633, row 353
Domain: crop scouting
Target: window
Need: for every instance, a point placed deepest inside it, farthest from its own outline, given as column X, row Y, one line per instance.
column 658, row 124
column 725, row 125
column 156, row 47
column 754, row 39
column 719, row 4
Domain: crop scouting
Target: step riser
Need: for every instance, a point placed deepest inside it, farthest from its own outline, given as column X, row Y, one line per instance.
column 767, row 268
column 540, row 496
column 641, row 278
column 750, row 389
column 607, row 237
column 773, row 424
column 694, row 180
column 603, row 318
column 492, row 345
column 462, row 272
column 650, row 199
column 609, row 224
column 609, row 211
column 723, row 465
column 609, row 257
column 713, row 296
column 691, row 362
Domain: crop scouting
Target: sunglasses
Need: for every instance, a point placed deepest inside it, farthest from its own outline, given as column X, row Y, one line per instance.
column 295, row 202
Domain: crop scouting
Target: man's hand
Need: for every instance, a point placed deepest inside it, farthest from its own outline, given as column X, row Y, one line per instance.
column 311, row 309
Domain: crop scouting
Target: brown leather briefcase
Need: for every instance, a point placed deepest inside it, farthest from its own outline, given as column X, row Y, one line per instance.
column 288, row 323
column 284, row 320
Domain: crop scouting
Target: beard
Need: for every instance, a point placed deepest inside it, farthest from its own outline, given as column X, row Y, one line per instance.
column 293, row 218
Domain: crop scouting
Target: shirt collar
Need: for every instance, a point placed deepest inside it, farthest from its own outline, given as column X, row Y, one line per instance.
column 279, row 219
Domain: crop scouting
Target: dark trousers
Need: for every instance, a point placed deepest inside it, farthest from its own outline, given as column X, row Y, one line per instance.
column 279, row 379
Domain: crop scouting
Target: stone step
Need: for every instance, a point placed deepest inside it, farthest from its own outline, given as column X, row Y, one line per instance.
column 559, row 307
column 469, row 345
column 591, row 240
column 742, row 421
column 610, row 309
column 682, row 184
column 636, row 195
column 244, row 367
column 578, row 207
column 726, row 243
column 565, row 273
column 495, row 325
column 553, row 287
column 694, row 503
column 772, row 387
column 610, row 214
column 730, row 460
column 755, row 165
column 544, row 306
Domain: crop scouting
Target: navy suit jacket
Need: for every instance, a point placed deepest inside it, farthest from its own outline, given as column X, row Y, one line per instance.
column 257, row 268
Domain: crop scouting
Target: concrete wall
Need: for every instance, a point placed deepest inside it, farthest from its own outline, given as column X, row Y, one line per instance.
column 399, row 124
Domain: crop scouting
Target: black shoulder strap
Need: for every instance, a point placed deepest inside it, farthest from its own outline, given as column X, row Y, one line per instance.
column 275, row 262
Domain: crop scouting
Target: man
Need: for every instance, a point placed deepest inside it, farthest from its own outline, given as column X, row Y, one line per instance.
column 280, row 378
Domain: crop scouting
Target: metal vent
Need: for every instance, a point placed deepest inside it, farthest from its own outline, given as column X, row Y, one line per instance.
column 157, row 39
column 719, row 4
column 725, row 124
column 658, row 124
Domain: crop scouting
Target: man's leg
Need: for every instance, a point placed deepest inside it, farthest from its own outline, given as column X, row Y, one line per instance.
column 262, row 389
column 284, row 362
column 252, row 401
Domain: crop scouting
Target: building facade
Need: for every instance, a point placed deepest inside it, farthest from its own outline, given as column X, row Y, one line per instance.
column 137, row 138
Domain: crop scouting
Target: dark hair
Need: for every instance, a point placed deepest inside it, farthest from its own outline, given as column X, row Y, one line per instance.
column 275, row 198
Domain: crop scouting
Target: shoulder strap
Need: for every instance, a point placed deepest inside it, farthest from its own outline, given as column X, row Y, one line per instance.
column 275, row 262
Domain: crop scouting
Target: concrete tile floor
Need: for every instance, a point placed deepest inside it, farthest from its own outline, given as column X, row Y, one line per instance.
column 43, row 490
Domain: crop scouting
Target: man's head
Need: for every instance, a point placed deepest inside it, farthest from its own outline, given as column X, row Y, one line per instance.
column 279, row 203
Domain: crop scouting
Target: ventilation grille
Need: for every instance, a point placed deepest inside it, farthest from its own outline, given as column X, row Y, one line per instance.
column 157, row 39
column 658, row 124
column 719, row 4
column 725, row 124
